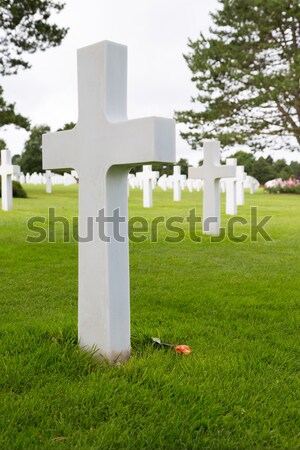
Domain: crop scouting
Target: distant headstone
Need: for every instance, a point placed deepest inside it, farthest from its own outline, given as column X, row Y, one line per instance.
column 34, row 178
column 231, row 206
column 163, row 182
column 48, row 177
column 147, row 177
column 211, row 172
column 102, row 148
column 7, row 170
column 190, row 184
column 251, row 183
column 177, row 179
column 240, row 179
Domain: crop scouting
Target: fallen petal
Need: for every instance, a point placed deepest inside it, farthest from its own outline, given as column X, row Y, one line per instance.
column 185, row 349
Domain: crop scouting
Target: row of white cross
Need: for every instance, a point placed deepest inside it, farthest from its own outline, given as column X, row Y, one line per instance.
column 48, row 178
column 146, row 180
column 102, row 147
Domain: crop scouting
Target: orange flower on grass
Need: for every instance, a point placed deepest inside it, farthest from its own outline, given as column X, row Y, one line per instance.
column 185, row 349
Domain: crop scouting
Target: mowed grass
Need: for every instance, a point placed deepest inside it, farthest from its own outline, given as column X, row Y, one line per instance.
column 236, row 304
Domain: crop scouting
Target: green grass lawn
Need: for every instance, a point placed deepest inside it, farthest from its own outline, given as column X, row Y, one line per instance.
column 234, row 303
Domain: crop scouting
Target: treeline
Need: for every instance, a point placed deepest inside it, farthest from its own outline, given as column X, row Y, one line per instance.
column 265, row 169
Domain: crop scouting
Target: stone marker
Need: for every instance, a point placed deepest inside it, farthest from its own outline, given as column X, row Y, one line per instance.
column 7, row 170
column 102, row 148
column 176, row 182
column 240, row 178
column 231, row 206
column 147, row 177
column 163, row 182
column 251, row 183
column 211, row 172
column 48, row 177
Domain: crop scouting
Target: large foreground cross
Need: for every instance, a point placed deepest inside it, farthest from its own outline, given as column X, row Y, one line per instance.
column 102, row 147
column 211, row 172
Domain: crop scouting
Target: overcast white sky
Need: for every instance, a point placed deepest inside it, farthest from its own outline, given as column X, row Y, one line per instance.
column 156, row 33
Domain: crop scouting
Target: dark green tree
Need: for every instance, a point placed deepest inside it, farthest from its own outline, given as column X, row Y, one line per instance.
column 2, row 145
column 263, row 170
column 16, row 159
column 281, row 169
column 31, row 158
column 294, row 168
column 184, row 164
column 245, row 159
column 67, row 126
column 25, row 28
column 247, row 74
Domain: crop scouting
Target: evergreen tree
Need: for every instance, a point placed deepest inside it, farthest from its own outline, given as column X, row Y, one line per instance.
column 25, row 28
column 247, row 74
column 31, row 158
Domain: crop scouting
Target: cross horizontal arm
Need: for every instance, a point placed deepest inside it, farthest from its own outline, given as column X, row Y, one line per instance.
column 196, row 172
column 216, row 172
column 225, row 171
column 142, row 141
column 59, row 149
column 10, row 170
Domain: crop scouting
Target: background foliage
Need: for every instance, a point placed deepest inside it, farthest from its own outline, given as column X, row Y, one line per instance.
column 247, row 75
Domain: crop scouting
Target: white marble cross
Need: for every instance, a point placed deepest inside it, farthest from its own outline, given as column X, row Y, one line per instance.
column 240, row 179
column 147, row 177
column 177, row 178
column 48, row 177
column 231, row 206
column 101, row 148
column 163, row 182
column 210, row 172
column 251, row 183
column 7, row 170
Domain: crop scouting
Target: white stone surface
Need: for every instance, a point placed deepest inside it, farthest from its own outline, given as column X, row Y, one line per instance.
column 102, row 147
column 74, row 174
column 22, row 178
column 163, row 182
column 132, row 182
column 7, row 170
column 222, row 186
column 231, row 205
column 69, row 179
column 147, row 177
column 211, row 172
column 48, row 177
column 251, row 183
column 190, row 184
column 177, row 180
column 240, row 179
